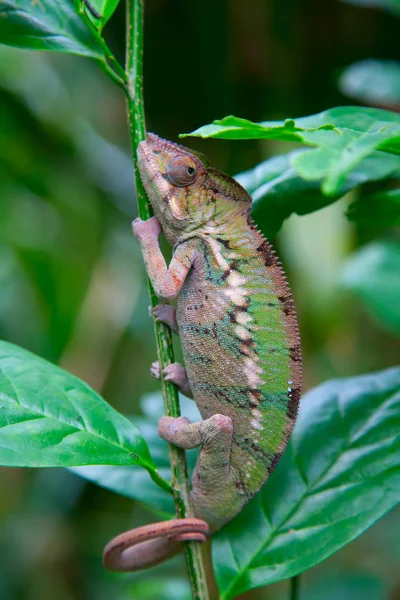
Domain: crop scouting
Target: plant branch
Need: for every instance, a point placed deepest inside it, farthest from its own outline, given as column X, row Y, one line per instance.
column 180, row 479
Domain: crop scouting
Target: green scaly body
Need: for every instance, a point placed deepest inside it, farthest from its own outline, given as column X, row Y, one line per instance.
column 236, row 322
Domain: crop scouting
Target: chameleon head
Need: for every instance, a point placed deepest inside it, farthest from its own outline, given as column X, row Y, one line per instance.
column 186, row 194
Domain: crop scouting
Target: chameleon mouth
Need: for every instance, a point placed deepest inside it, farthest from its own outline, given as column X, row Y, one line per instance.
column 152, row 153
column 168, row 198
column 152, row 174
column 150, row 168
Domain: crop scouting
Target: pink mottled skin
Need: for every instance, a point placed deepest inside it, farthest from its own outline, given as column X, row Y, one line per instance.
column 239, row 336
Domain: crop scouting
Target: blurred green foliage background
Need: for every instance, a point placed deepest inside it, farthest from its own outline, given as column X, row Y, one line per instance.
column 72, row 280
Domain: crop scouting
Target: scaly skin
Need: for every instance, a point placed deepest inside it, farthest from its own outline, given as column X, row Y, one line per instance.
column 236, row 322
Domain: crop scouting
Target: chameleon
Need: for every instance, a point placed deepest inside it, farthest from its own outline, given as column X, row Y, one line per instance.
column 240, row 340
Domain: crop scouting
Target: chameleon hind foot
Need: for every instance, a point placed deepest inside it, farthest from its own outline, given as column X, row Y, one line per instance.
column 213, row 436
column 174, row 373
column 215, row 482
column 165, row 313
column 150, row 545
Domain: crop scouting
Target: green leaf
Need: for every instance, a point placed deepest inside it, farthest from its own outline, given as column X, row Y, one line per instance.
column 392, row 6
column 47, row 25
column 340, row 473
column 373, row 82
column 132, row 481
column 348, row 585
column 381, row 209
column 99, row 11
column 49, row 418
column 278, row 191
column 343, row 137
column 373, row 274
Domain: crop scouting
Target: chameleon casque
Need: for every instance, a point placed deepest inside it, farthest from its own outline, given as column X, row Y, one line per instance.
column 240, row 341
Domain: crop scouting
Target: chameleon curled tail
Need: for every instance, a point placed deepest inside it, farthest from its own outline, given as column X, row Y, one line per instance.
column 239, row 337
column 150, row 545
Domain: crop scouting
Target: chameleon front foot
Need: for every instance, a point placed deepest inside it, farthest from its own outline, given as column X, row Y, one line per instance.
column 150, row 545
column 174, row 373
column 146, row 230
column 165, row 313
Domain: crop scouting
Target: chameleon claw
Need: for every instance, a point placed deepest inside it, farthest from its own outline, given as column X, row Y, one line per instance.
column 147, row 546
column 155, row 370
column 150, row 228
column 165, row 313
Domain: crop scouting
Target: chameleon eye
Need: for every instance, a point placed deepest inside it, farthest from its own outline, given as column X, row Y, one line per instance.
column 182, row 170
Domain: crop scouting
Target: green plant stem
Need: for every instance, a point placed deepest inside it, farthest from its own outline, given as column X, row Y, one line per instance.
column 180, row 479
column 294, row 587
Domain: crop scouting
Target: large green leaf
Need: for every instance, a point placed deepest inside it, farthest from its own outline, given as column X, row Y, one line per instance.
column 278, row 191
column 132, row 482
column 348, row 584
column 373, row 82
column 381, row 209
column 373, row 274
column 46, row 25
column 49, row 418
column 392, row 6
column 98, row 11
column 343, row 137
column 340, row 473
